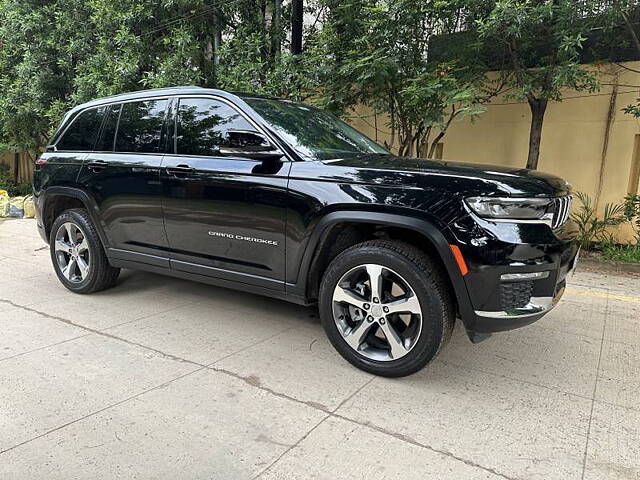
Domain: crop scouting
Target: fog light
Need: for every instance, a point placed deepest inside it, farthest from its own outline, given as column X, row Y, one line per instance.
column 511, row 277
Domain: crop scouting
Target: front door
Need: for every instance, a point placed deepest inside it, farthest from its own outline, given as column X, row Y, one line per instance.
column 123, row 176
column 224, row 213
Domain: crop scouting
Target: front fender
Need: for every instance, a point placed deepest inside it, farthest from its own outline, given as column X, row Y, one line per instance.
column 427, row 229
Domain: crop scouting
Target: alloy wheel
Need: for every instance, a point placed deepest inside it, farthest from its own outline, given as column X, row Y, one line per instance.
column 377, row 312
column 72, row 252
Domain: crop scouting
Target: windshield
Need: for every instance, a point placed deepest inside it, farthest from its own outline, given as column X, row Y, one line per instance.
column 315, row 134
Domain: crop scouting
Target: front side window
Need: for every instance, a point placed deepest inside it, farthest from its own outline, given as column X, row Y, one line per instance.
column 83, row 131
column 140, row 126
column 314, row 133
column 204, row 125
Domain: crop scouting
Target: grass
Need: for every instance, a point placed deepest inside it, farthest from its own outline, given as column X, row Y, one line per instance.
column 622, row 253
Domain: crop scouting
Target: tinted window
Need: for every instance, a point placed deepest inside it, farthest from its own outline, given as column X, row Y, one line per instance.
column 204, row 125
column 105, row 142
column 140, row 126
column 314, row 133
column 83, row 131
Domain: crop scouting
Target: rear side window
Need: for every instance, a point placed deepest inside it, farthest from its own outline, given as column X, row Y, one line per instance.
column 105, row 142
column 83, row 131
column 204, row 125
column 140, row 126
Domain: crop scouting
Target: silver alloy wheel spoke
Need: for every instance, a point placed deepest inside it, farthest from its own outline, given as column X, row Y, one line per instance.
column 404, row 305
column 69, row 269
column 343, row 295
column 375, row 280
column 356, row 336
column 83, row 246
column 62, row 246
column 71, row 234
column 83, row 267
column 395, row 342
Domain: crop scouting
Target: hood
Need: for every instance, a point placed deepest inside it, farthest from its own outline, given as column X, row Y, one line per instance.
column 459, row 176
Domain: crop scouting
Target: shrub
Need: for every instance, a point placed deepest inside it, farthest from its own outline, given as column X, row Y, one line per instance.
column 632, row 213
column 591, row 229
column 622, row 253
column 6, row 183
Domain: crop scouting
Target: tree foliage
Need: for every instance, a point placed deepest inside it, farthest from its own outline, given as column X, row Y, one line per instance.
column 379, row 57
column 57, row 53
column 378, row 53
column 540, row 43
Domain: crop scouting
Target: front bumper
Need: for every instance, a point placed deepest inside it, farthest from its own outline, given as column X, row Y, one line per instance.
column 501, row 320
column 495, row 251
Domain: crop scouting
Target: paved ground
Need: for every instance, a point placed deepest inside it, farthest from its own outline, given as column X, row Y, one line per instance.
column 162, row 378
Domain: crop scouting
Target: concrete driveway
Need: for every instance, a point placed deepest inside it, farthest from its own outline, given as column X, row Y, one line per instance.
column 163, row 378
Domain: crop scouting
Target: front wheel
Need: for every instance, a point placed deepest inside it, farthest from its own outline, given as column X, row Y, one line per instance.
column 386, row 307
column 77, row 254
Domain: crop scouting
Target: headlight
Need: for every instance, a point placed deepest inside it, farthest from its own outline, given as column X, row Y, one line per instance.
column 512, row 209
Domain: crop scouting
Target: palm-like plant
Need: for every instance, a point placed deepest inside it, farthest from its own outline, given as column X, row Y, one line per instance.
column 632, row 213
column 590, row 228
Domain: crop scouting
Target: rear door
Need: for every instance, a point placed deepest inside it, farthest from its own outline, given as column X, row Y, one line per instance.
column 225, row 214
column 123, row 176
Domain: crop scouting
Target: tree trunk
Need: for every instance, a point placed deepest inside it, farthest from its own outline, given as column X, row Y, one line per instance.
column 276, row 38
column 211, row 52
column 297, row 17
column 538, row 107
column 217, row 39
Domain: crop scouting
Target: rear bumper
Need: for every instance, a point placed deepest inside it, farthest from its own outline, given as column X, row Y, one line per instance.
column 37, row 204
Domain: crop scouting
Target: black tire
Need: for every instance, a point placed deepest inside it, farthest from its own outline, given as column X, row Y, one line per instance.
column 100, row 274
column 426, row 279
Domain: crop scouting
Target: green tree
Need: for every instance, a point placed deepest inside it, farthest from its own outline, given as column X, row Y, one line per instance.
column 57, row 53
column 378, row 55
column 539, row 43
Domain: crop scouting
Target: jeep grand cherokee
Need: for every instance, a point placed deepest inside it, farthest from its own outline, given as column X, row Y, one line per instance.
column 282, row 199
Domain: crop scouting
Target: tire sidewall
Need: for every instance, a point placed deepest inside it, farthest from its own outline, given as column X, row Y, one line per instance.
column 94, row 245
column 431, row 303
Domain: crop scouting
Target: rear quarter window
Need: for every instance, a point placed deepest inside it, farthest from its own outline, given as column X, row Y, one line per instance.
column 83, row 131
column 107, row 136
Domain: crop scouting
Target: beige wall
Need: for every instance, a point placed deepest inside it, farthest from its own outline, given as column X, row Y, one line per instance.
column 572, row 138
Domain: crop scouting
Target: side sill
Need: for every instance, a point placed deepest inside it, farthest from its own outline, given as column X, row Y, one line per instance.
column 117, row 254
column 219, row 282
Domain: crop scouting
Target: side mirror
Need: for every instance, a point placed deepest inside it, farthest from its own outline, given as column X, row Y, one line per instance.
column 247, row 143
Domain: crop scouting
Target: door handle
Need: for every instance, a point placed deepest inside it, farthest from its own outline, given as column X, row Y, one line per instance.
column 97, row 165
column 180, row 170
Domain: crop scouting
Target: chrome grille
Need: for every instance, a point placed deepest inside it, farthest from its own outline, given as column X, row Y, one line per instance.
column 561, row 210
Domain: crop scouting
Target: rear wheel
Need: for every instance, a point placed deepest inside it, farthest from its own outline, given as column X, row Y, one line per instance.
column 78, row 255
column 386, row 307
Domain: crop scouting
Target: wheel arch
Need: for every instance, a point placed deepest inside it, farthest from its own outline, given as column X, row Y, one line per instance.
column 326, row 237
column 54, row 200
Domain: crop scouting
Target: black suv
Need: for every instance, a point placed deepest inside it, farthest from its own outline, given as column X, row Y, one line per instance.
column 282, row 199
